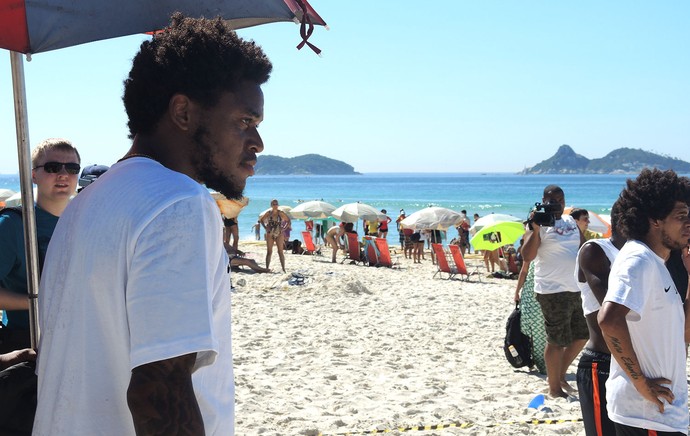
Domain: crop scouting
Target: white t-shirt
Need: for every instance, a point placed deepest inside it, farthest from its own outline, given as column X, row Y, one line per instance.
column 590, row 304
column 555, row 261
column 640, row 281
column 135, row 273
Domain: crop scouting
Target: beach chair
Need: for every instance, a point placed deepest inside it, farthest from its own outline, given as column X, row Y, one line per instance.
column 353, row 253
column 385, row 254
column 442, row 262
column 370, row 251
column 309, row 247
column 460, row 265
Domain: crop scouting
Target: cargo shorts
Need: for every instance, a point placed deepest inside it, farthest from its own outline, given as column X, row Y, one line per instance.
column 564, row 320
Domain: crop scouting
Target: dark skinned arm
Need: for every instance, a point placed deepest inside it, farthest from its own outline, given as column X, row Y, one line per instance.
column 612, row 323
column 594, row 269
column 161, row 398
column 532, row 243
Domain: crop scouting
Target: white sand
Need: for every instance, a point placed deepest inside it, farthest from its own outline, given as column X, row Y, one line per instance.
column 359, row 348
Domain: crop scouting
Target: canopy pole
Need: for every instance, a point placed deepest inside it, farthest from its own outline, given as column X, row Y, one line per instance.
column 28, row 211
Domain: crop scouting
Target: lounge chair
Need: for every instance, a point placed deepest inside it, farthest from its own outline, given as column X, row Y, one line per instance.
column 309, row 247
column 442, row 262
column 370, row 251
column 353, row 253
column 384, row 254
column 460, row 265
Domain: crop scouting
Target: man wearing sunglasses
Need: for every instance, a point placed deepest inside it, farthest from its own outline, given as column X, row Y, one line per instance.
column 55, row 165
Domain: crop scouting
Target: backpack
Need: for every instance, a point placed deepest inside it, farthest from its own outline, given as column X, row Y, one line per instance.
column 517, row 346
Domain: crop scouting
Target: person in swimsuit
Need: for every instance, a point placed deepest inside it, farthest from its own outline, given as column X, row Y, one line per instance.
column 274, row 221
column 383, row 224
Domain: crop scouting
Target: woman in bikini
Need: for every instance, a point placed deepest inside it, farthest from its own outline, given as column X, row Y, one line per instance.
column 274, row 221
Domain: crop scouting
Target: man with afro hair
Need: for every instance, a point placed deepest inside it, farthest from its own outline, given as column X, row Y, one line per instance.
column 643, row 319
column 135, row 305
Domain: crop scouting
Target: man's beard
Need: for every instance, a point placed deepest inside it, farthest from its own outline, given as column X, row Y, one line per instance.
column 207, row 171
column 670, row 243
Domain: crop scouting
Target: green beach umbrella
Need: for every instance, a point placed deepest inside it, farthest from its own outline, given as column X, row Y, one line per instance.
column 497, row 235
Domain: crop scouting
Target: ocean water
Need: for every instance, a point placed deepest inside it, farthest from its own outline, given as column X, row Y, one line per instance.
column 477, row 193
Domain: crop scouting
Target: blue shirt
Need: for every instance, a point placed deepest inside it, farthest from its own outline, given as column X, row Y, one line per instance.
column 13, row 259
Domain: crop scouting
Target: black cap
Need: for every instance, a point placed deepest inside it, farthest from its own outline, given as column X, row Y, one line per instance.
column 91, row 173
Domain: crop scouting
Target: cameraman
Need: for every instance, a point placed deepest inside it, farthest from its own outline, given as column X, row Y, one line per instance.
column 552, row 243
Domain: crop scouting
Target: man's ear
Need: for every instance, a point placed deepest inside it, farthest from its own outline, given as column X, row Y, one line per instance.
column 182, row 111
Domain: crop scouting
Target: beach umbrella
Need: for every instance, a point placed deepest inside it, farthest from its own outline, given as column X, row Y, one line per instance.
column 312, row 210
column 6, row 193
column 285, row 209
column 491, row 219
column 493, row 236
column 596, row 222
column 432, row 218
column 229, row 208
column 353, row 212
column 32, row 27
column 15, row 199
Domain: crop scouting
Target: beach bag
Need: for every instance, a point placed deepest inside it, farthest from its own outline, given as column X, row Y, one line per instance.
column 517, row 346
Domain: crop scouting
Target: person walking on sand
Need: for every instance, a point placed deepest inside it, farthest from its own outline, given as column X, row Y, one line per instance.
column 274, row 221
column 135, row 309
column 592, row 270
column 643, row 319
column 554, row 250
column 55, row 170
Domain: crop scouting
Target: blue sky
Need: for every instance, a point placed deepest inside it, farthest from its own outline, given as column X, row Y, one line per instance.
column 437, row 86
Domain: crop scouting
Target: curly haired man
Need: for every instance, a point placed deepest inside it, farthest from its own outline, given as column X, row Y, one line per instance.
column 136, row 319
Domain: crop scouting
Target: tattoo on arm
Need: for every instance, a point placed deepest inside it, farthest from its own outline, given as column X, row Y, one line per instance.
column 616, row 344
column 629, row 364
column 161, row 398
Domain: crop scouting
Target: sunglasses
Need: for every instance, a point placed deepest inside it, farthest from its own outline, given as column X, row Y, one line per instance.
column 56, row 167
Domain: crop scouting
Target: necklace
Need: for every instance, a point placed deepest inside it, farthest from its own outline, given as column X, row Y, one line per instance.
column 129, row 156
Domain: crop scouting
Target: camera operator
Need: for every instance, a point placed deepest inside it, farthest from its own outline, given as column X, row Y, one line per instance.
column 552, row 242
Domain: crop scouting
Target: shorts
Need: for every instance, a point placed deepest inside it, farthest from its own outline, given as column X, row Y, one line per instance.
column 564, row 320
column 592, row 373
column 229, row 222
column 626, row 430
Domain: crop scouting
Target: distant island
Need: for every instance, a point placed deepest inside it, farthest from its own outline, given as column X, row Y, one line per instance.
column 308, row 164
column 619, row 161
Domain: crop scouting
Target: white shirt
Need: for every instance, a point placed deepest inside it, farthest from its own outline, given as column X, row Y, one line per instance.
column 555, row 261
column 135, row 273
column 640, row 281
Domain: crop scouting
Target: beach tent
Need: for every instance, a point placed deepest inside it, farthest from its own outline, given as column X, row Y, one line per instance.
column 34, row 27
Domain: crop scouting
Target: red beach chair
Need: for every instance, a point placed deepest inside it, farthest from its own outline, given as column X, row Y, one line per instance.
column 384, row 253
column 353, row 253
column 442, row 262
column 309, row 247
column 460, row 265
column 371, row 251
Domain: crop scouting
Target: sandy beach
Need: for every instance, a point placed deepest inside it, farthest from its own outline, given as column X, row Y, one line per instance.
column 358, row 349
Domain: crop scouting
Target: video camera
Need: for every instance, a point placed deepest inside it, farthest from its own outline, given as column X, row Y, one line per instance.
column 544, row 214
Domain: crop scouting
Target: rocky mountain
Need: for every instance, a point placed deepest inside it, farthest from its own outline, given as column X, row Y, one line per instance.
column 308, row 164
column 619, row 161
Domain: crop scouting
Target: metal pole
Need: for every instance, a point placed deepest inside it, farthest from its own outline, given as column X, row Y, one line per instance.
column 28, row 211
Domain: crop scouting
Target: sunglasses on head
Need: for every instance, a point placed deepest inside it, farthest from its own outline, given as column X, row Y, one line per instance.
column 55, row 167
